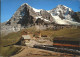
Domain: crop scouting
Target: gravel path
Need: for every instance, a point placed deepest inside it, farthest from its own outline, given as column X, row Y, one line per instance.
column 33, row 52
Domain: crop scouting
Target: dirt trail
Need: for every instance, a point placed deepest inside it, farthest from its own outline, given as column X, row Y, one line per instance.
column 33, row 52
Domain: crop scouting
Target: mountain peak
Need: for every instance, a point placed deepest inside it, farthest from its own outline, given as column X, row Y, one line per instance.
column 60, row 5
column 24, row 4
column 64, row 7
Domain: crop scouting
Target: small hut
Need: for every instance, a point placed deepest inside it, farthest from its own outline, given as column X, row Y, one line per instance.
column 25, row 39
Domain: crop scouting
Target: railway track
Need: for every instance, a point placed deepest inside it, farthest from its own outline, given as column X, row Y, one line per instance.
column 59, row 49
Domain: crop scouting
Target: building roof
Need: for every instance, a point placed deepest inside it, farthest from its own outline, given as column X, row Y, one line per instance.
column 26, row 36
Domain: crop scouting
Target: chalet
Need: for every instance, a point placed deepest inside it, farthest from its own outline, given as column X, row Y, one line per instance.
column 25, row 39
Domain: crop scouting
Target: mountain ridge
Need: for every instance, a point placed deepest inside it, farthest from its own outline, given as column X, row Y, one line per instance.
column 58, row 8
column 27, row 16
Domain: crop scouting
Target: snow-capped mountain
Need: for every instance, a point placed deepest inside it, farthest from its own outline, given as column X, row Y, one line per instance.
column 62, row 11
column 63, row 15
column 27, row 16
column 60, row 15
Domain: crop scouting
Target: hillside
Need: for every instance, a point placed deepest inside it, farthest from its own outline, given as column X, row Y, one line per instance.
column 9, row 51
column 11, row 38
column 14, row 37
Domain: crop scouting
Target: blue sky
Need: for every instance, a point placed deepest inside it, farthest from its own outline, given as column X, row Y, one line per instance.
column 8, row 7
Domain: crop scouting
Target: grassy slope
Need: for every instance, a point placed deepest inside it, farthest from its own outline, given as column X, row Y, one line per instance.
column 68, row 33
column 11, row 38
column 8, row 51
column 73, row 33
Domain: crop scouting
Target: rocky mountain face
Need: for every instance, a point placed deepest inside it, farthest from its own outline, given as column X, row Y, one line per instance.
column 23, row 16
column 46, row 15
column 27, row 16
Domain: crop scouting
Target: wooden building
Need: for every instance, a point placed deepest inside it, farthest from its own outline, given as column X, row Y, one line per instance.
column 25, row 39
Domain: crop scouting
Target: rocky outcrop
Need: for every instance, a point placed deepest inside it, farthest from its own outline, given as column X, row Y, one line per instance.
column 46, row 15
column 76, row 16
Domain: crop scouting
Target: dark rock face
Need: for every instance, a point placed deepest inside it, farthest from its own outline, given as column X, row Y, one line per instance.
column 39, row 21
column 76, row 16
column 46, row 15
